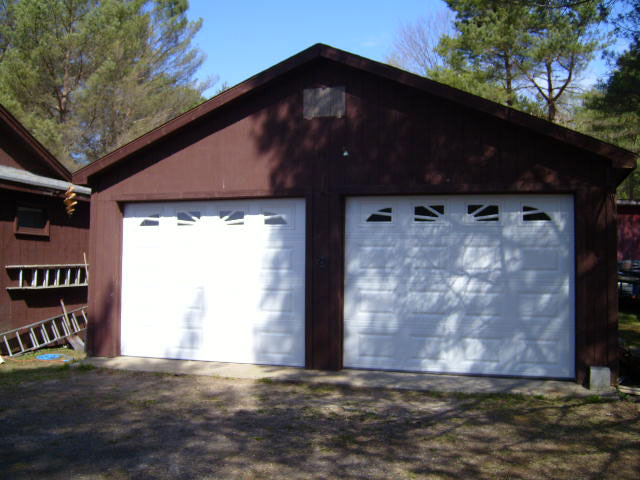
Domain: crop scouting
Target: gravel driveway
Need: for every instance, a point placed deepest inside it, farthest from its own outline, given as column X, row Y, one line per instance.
column 102, row 424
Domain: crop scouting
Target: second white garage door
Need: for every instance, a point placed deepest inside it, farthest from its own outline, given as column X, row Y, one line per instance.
column 461, row 284
column 216, row 280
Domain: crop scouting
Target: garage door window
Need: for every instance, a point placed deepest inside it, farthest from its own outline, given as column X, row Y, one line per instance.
column 187, row 219
column 533, row 214
column 151, row 221
column 232, row 217
column 382, row 215
column 273, row 218
column 483, row 213
column 428, row 213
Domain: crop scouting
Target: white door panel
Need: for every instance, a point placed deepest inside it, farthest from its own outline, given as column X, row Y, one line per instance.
column 218, row 280
column 462, row 284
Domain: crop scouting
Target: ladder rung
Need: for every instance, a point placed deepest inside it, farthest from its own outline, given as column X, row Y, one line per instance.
column 34, row 338
column 73, row 322
column 6, row 342
column 54, row 327
column 45, row 335
column 20, row 341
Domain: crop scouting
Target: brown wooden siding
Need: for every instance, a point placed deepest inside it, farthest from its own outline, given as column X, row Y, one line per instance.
column 399, row 141
column 68, row 239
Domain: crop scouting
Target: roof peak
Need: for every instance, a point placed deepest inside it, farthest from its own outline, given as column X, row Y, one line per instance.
column 619, row 157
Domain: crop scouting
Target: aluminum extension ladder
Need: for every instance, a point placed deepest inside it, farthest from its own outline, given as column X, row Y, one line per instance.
column 45, row 332
column 32, row 277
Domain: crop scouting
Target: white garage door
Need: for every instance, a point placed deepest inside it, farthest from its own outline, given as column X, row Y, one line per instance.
column 215, row 280
column 461, row 284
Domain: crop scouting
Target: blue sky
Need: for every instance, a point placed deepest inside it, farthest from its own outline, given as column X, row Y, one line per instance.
column 244, row 38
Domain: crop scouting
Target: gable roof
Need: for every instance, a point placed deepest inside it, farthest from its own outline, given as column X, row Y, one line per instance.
column 621, row 159
column 27, row 141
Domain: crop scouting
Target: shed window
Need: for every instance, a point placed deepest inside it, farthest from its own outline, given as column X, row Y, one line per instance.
column 186, row 219
column 533, row 214
column 428, row 213
column 151, row 221
column 382, row 215
column 484, row 213
column 31, row 221
column 232, row 217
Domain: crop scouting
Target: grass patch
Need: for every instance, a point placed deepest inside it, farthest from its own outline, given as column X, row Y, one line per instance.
column 14, row 378
column 144, row 403
column 85, row 367
column 27, row 368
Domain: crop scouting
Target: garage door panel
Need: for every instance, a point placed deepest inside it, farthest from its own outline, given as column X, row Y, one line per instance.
column 427, row 258
column 485, row 327
column 425, row 347
column 483, row 303
column 277, row 301
column 215, row 281
column 540, row 305
column 434, row 303
column 467, row 292
column 533, row 259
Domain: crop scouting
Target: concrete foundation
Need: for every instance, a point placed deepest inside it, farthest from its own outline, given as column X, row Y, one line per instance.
column 599, row 378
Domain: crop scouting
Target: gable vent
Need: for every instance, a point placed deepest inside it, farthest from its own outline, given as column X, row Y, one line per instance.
column 323, row 102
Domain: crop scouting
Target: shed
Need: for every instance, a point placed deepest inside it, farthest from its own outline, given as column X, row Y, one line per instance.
column 35, row 230
column 334, row 212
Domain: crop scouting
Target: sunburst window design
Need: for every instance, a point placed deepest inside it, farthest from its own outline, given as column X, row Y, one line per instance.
column 382, row 215
column 428, row 213
column 534, row 214
column 151, row 220
column 272, row 218
column 188, row 219
column 232, row 217
column 484, row 213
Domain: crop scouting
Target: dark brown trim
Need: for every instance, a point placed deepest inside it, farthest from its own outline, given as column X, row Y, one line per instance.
column 19, row 187
column 612, row 290
column 619, row 158
column 209, row 195
column 582, row 207
column 117, row 288
column 28, row 189
column 339, row 266
column 470, row 189
column 308, row 282
column 33, row 145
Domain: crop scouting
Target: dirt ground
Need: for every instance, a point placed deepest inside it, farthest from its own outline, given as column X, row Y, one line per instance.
column 83, row 423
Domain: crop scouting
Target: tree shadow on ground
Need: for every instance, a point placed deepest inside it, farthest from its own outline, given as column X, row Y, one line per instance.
column 109, row 424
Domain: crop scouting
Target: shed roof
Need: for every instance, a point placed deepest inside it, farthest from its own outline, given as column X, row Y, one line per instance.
column 40, row 153
column 25, row 177
column 621, row 160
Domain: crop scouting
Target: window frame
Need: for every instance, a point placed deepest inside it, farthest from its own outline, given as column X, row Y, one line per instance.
column 43, row 232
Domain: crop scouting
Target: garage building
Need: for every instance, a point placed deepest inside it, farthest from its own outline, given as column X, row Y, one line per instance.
column 336, row 212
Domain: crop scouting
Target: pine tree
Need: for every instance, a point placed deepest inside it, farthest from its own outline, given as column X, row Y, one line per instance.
column 86, row 76
column 523, row 53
